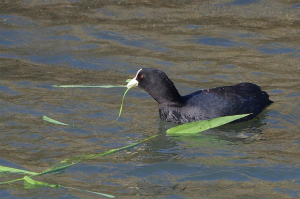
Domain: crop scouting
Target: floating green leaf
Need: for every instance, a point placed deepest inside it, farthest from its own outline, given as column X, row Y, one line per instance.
column 4, row 169
column 199, row 126
column 32, row 184
column 48, row 119
column 59, row 167
column 83, row 86
column 11, row 181
column 97, row 193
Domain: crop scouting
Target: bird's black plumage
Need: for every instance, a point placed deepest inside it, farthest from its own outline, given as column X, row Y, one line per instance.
column 241, row 98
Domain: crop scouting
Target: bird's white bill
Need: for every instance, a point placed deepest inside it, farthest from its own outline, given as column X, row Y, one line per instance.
column 132, row 83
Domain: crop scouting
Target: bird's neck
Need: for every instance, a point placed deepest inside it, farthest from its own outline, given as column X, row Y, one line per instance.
column 166, row 94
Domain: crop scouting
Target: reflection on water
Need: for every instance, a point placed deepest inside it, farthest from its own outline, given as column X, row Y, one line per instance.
column 199, row 45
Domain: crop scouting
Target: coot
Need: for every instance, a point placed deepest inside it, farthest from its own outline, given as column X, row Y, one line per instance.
column 241, row 98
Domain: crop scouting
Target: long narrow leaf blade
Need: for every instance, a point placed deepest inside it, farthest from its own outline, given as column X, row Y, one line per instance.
column 74, row 160
column 58, row 167
column 93, row 192
column 199, row 126
column 11, row 181
column 4, row 169
column 121, row 107
column 33, row 184
column 48, row 119
column 86, row 86
column 78, row 159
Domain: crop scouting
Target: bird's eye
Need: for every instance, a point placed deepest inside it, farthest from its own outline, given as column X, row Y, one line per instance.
column 141, row 76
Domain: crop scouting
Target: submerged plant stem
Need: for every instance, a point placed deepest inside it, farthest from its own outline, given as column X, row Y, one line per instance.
column 65, row 164
column 78, row 159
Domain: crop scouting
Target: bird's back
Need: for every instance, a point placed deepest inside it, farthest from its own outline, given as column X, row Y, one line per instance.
column 216, row 102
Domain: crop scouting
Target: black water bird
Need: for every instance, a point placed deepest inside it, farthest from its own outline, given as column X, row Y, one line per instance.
column 241, row 98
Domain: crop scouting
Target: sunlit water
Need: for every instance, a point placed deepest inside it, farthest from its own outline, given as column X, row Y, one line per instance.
column 199, row 45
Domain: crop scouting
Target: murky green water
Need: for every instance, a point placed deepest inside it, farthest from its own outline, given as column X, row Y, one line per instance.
column 199, row 44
